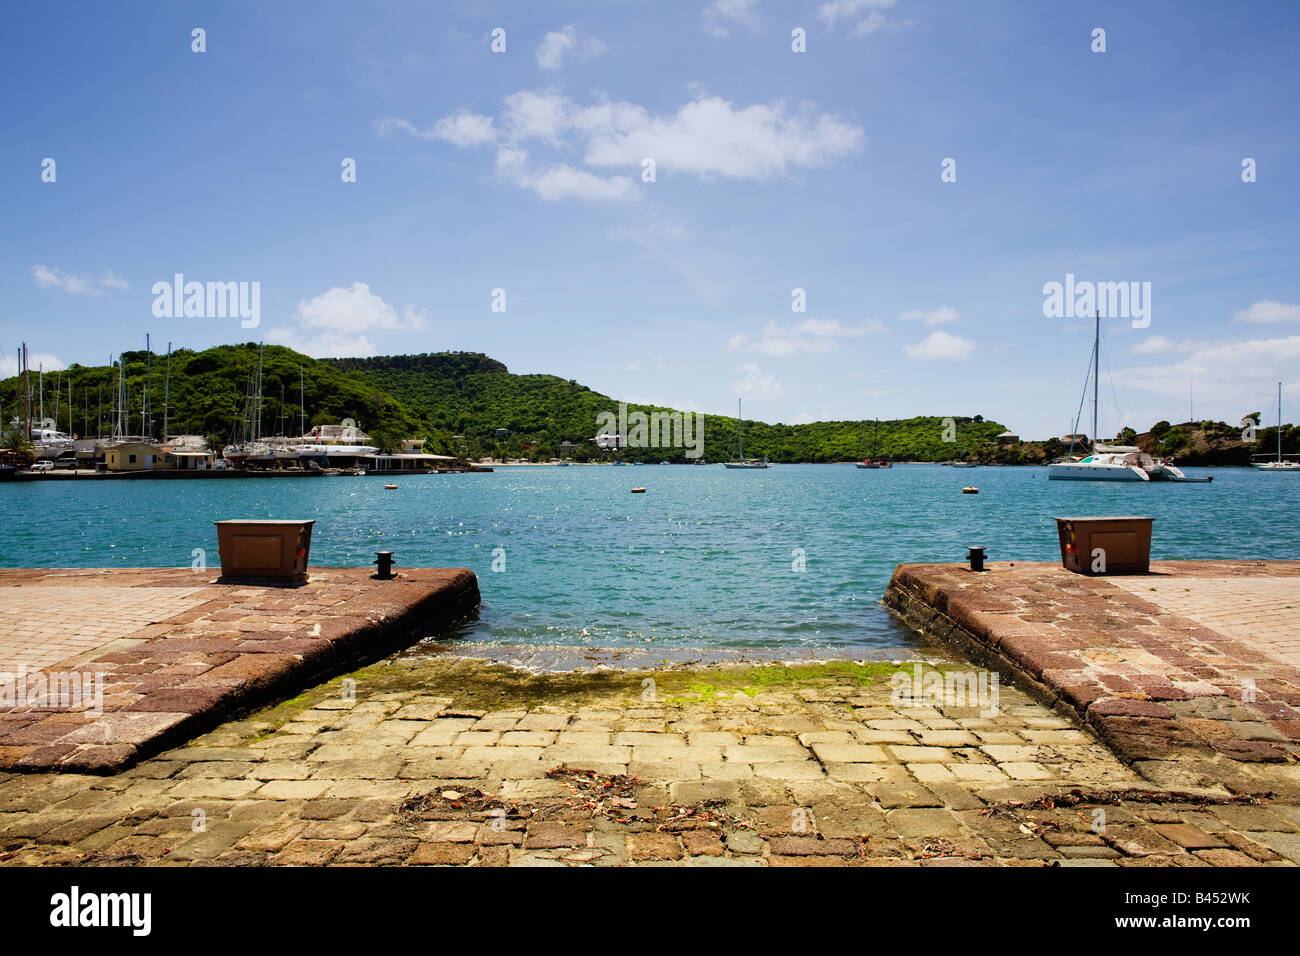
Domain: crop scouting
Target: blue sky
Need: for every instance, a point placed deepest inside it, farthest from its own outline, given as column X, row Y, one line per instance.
column 774, row 171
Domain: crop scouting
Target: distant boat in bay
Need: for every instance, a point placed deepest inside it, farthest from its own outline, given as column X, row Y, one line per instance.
column 741, row 461
column 1278, row 464
column 871, row 462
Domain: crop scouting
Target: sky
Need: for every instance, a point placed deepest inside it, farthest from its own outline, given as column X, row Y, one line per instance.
column 670, row 202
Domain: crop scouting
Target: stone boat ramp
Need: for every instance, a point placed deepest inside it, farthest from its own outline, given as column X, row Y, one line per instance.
column 1141, row 721
column 150, row 657
column 1190, row 673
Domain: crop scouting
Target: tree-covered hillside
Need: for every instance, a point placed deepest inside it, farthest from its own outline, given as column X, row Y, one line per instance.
column 456, row 402
column 472, row 395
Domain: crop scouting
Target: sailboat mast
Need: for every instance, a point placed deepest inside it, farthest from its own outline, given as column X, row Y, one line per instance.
column 740, row 429
column 258, row 426
column 302, row 410
column 1096, row 372
column 167, row 389
column 146, row 412
column 1279, row 422
column 27, row 395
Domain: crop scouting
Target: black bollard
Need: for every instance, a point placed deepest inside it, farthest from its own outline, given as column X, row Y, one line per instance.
column 975, row 554
column 384, row 559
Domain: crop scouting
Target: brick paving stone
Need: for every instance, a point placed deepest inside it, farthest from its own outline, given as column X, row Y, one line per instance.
column 545, row 836
column 849, row 753
column 493, row 856
column 1188, row 836
column 812, row 846
column 920, row 754
column 935, row 823
column 308, row 853
column 892, row 796
column 703, row 843
column 1284, row 844
column 653, row 846
column 441, row 854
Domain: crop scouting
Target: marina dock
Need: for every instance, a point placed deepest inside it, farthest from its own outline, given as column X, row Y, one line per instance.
column 167, row 653
column 1190, row 673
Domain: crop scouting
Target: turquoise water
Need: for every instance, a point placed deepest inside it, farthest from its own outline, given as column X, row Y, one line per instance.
column 705, row 558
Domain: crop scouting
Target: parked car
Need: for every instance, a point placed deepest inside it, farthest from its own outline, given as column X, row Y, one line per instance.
column 43, row 465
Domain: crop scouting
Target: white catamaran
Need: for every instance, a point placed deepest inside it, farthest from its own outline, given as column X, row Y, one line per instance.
column 1114, row 462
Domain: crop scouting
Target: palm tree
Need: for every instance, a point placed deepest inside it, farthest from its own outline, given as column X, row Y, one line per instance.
column 17, row 446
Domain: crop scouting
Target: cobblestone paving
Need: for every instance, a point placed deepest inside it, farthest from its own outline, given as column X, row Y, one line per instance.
column 733, row 766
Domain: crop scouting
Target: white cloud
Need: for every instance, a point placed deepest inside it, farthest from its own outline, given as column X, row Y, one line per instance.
column 324, row 344
column 812, row 336
column 562, row 181
column 945, row 313
column 355, row 309
column 706, row 137
column 720, row 17
column 529, row 114
column 333, row 323
column 1230, row 378
column 870, row 25
column 833, row 11
column 35, row 360
column 1268, row 311
column 1153, row 344
column 49, row 277
column 940, row 345
column 710, row 137
column 559, row 44
column 461, row 128
column 755, row 383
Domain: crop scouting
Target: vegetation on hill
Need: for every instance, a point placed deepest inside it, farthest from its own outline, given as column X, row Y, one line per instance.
column 468, row 404
column 471, row 395
column 208, row 393
column 1216, row 443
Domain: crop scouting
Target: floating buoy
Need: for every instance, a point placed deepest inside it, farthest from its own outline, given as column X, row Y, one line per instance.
column 390, row 487
column 638, row 491
column 970, row 490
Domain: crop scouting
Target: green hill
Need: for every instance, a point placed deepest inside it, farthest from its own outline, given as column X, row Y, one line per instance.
column 440, row 396
column 472, row 395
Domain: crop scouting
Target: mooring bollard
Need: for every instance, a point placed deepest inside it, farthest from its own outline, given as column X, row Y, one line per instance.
column 385, row 561
column 975, row 554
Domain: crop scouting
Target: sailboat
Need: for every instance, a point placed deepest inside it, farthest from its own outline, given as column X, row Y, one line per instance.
column 741, row 461
column 1278, row 464
column 251, row 447
column 1114, row 463
column 874, row 462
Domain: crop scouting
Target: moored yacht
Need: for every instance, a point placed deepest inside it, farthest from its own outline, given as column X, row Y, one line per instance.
column 1100, row 467
column 334, row 441
column 743, row 462
column 1106, row 462
column 1278, row 464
